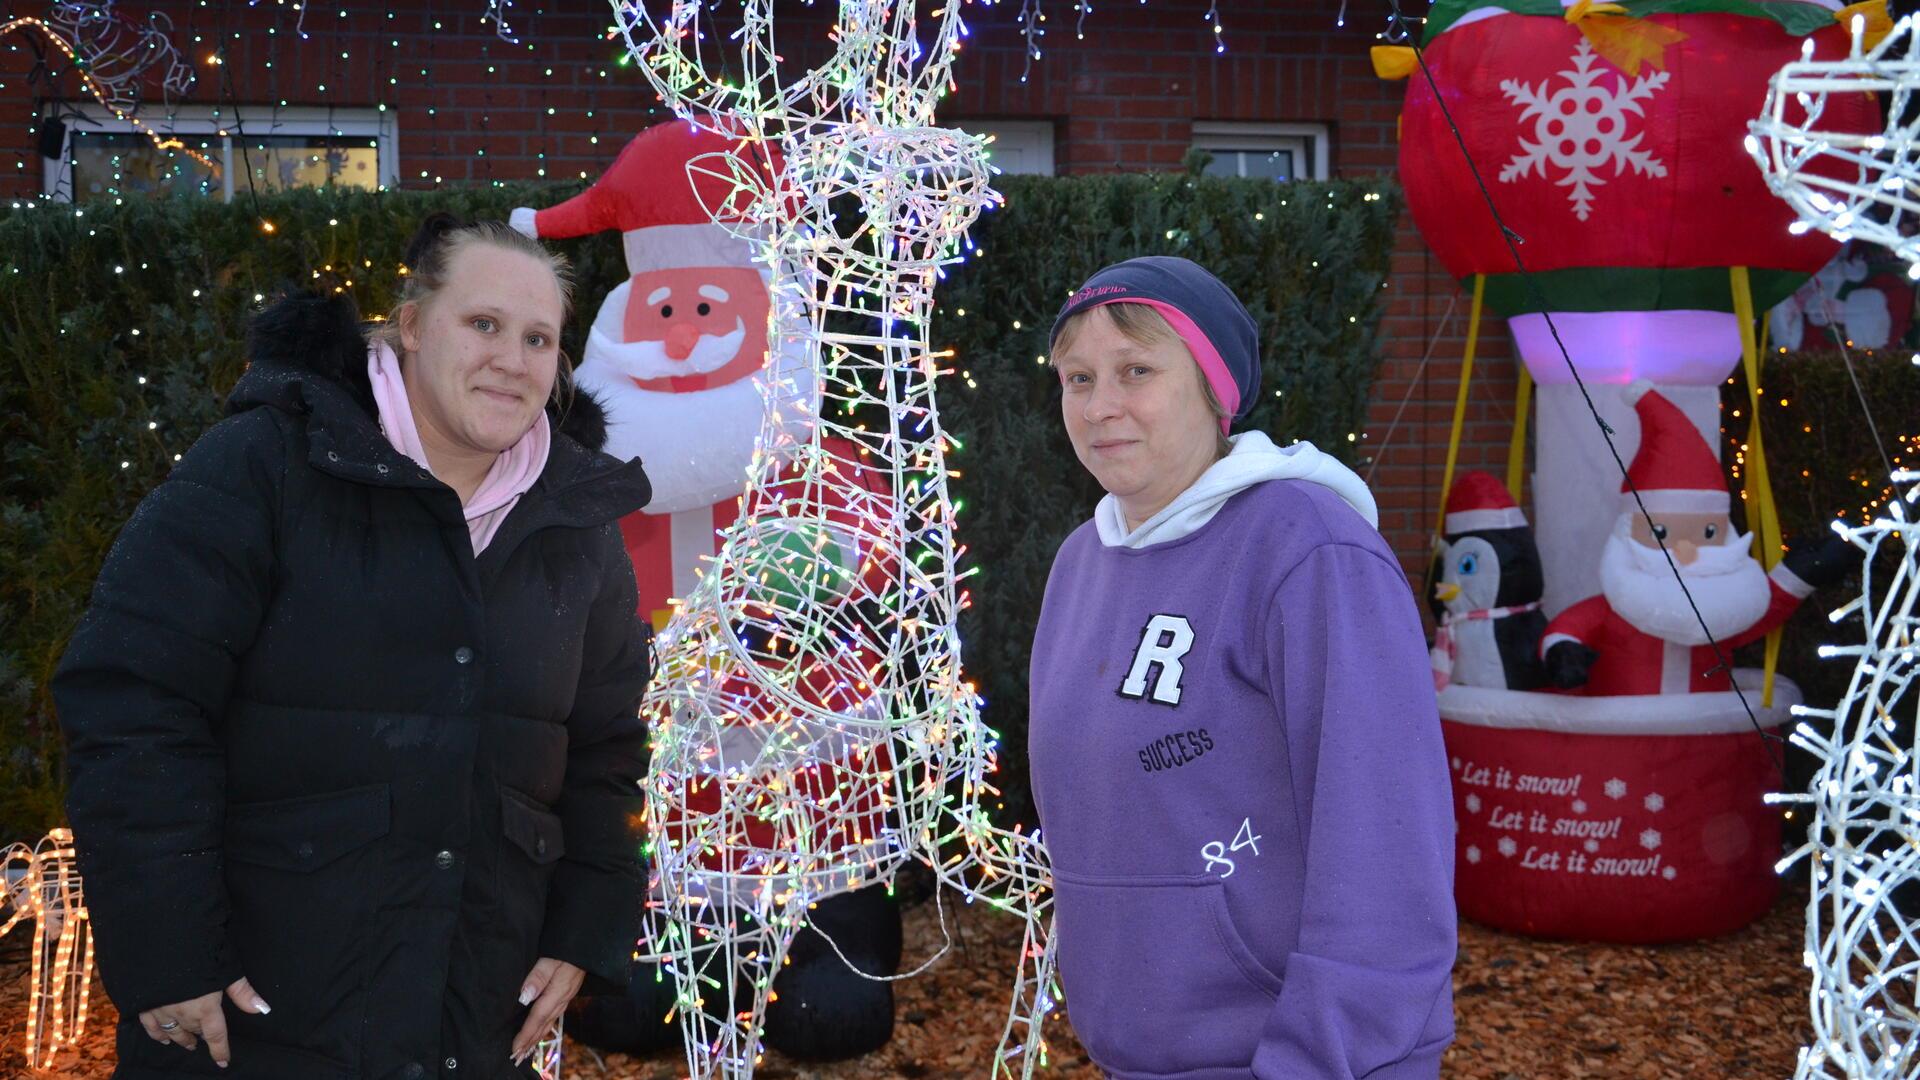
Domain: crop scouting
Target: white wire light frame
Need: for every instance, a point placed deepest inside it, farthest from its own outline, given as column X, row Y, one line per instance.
column 1863, row 842
column 810, row 689
column 1847, row 184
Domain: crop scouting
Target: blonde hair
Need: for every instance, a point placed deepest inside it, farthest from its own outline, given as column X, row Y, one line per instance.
column 1142, row 325
column 430, row 257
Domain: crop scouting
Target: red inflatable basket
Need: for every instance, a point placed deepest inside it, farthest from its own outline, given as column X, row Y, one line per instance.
column 1630, row 819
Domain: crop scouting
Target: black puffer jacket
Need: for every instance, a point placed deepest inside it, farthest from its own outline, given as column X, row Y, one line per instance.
column 315, row 741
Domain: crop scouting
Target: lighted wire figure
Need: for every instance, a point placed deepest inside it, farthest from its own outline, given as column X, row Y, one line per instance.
column 808, row 693
column 119, row 50
column 1845, row 184
column 1863, row 843
column 41, row 883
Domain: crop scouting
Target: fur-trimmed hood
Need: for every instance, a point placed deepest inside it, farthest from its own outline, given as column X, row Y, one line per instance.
column 306, row 334
column 308, row 361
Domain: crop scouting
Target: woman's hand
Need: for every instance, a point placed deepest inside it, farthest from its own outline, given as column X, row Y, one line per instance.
column 548, row 987
column 185, row 1023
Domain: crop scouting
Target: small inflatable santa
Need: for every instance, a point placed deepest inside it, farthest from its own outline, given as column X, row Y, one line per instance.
column 1486, row 591
column 679, row 356
column 1642, row 635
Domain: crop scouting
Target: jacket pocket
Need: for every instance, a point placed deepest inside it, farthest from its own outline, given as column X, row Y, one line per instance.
column 532, row 828
column 304, row 877
column 1157, row 979
column 307, row 833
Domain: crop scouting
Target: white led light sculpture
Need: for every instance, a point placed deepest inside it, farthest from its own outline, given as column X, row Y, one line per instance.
column 41, row 883
column 1847, row 185
column 812, row 731
column 1863, row 842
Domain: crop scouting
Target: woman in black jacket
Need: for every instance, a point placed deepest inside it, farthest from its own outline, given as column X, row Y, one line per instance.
column 352, row 718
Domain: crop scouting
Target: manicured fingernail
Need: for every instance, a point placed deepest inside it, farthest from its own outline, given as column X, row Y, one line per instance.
column 261, row 1005
column 222, row 1064
column 526, row 994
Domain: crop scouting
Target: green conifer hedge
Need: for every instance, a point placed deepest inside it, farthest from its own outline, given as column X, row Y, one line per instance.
column 122, row 327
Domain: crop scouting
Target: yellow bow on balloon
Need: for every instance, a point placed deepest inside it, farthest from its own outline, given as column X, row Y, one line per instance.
column 1624, row 41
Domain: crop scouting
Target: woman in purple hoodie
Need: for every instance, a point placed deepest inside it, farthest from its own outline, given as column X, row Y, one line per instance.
column 1235, row 752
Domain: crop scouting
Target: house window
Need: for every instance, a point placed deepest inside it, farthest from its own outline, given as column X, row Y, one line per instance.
column 1018, row 146
column 251, row 148
column 1266, row 151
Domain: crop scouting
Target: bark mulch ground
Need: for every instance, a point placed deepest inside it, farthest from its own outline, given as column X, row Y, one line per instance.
column 1729, row 1009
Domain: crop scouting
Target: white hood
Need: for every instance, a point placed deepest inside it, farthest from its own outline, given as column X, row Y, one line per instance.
column 1253, row 460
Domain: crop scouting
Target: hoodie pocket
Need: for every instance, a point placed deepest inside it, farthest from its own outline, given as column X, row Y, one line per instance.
column 1156, row 978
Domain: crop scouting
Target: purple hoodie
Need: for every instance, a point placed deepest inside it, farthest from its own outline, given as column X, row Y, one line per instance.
column 1238, row 767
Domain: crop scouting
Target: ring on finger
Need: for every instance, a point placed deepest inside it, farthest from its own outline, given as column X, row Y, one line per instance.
column 170, row 1025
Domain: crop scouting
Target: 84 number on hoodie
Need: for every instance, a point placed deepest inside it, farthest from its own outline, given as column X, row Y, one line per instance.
column 1215, row 852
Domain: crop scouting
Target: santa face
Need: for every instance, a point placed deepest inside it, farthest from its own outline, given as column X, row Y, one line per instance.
column 1728, row 586
column 1684, row 534
column 695, row 431
column 691, row 328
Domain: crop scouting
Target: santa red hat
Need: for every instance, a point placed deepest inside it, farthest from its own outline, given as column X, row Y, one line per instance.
column 1675, row 471
column 665, row 214
column 1480, row 502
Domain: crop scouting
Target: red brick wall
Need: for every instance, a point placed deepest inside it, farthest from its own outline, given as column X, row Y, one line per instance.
column 1124, row 97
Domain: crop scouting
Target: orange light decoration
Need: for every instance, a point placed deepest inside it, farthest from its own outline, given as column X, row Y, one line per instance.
column 102, row 93
column 41, row 883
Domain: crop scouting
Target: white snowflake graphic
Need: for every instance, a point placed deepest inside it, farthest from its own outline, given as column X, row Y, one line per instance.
column 1473, row 853
column 1667, row 872
column 1650, row 839
column 1473, row 804
column 1508, row 847
column 1593, row 846
column 1654, row 803
column 1616, row 788
column 1581, row 128
column 1579, row 806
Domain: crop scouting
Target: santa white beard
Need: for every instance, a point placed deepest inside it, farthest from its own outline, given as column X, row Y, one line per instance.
column 1728, row 585
column 697, row 445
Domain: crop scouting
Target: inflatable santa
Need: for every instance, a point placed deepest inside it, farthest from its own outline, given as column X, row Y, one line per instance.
column 1644, row 633
column 679, row 356
column 1486, row 592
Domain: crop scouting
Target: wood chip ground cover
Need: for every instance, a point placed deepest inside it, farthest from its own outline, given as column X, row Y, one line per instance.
column 1729, row 1009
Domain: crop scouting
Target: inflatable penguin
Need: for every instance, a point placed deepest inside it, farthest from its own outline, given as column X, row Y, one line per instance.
column 1486, row 592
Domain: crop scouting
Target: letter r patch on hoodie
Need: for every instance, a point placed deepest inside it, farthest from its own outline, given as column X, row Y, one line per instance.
column 1166, row 639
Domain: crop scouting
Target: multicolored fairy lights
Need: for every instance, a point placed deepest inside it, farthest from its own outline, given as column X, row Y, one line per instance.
column 813, row 732
column 40, row 883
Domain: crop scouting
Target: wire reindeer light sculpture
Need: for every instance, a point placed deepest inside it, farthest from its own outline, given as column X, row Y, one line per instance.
column 1863, row 844
column 41, row 883
column 813, row 732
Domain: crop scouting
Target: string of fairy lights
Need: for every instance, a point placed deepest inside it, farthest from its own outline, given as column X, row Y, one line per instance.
column 931, row 763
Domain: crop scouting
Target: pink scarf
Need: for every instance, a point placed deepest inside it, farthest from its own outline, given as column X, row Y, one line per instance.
column 512, row 474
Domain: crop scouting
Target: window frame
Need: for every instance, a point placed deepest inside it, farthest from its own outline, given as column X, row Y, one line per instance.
column 1002, row 129
column 193, row 121
column 1254, row 136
